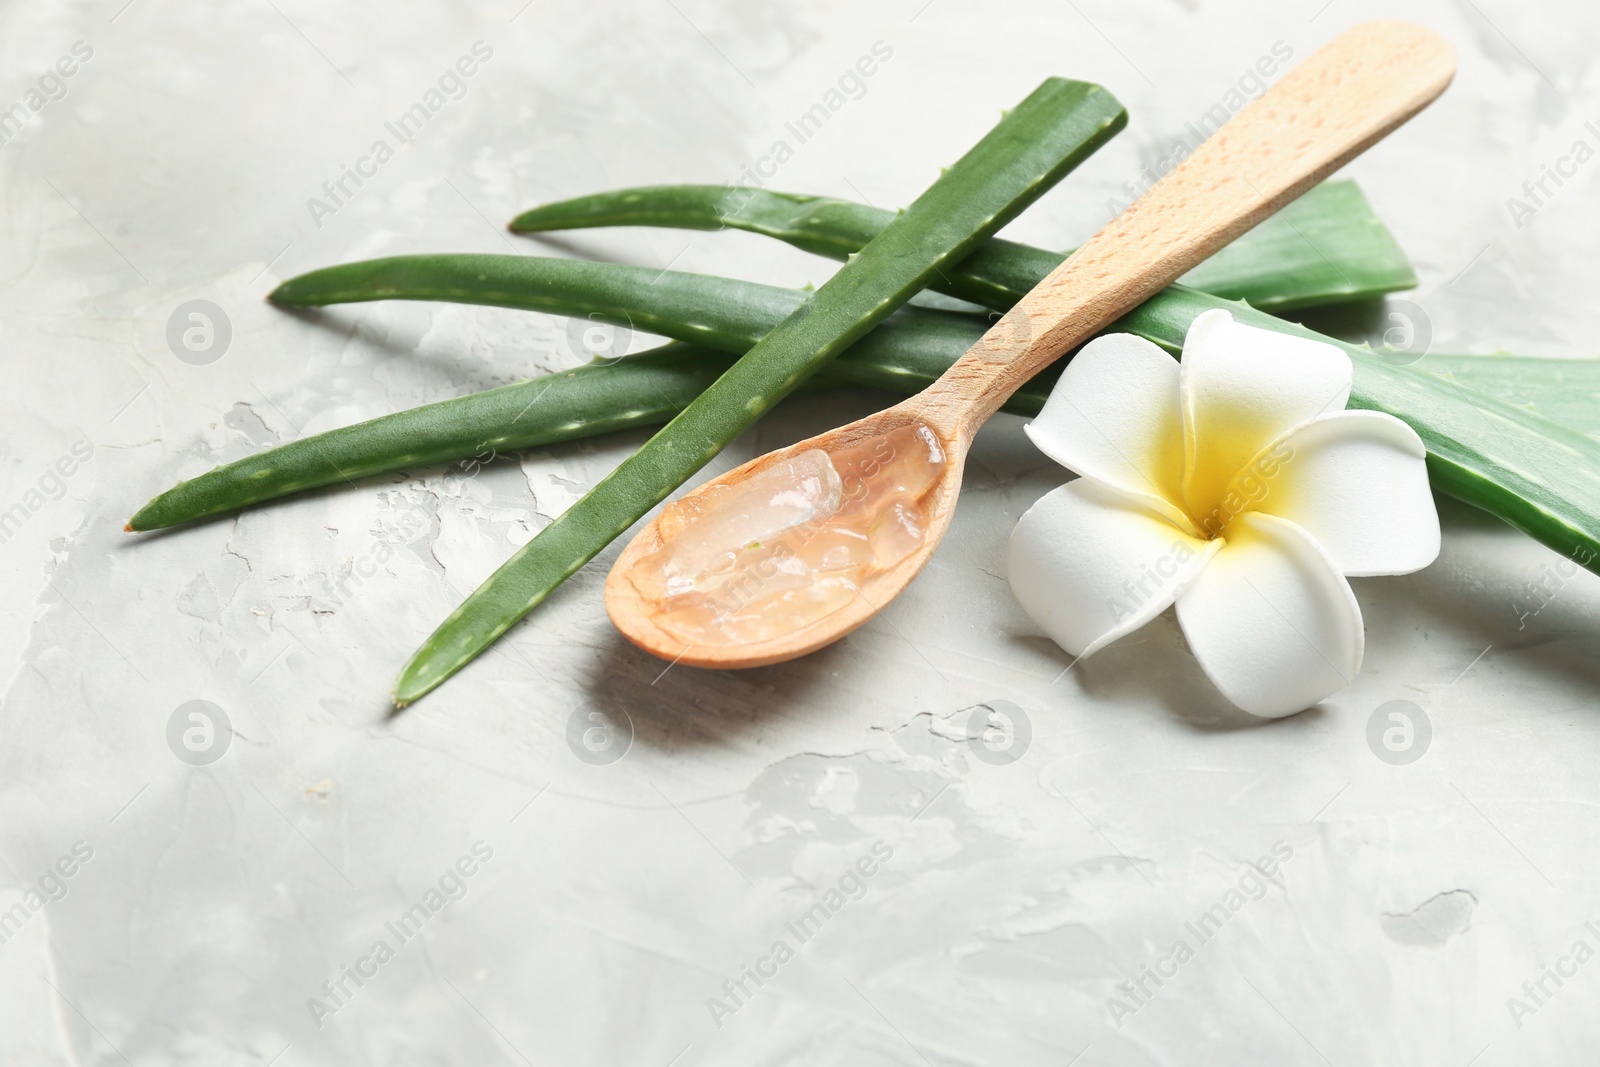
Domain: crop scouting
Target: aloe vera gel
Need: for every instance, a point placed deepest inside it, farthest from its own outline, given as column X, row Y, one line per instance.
column 792, row 544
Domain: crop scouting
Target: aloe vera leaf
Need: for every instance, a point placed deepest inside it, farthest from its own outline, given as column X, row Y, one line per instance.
column 995, row 274
column 1060, row 124
column 1564, row 390
column 701, row 309
column 1327, row 247
column 644, row 390
column 697, row 308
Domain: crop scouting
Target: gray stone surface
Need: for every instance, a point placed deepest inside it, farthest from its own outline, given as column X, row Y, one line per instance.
column 608, row 902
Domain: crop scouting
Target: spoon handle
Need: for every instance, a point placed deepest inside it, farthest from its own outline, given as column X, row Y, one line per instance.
column 1329, row 109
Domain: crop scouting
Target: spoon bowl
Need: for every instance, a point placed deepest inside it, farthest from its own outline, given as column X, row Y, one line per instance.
column 1319, row 116
column 627, row 603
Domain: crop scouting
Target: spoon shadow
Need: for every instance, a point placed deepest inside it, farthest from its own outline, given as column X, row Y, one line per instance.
column 673, row 707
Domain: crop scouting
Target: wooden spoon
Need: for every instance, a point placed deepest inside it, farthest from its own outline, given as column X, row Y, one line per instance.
column 1329, row 109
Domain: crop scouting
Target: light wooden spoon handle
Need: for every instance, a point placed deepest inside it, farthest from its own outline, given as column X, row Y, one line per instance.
column 1329, row 109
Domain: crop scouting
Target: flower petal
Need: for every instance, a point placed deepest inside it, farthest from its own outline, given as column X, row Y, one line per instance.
column 1089, row 564
column 1244, row 388
column 1272, row 621
column 1357, row 482
column 1114, row 417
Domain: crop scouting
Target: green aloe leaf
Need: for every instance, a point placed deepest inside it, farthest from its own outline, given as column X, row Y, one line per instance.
column 1565, row 390
column 641, row 298
column 647, row 389
column 1327, row 247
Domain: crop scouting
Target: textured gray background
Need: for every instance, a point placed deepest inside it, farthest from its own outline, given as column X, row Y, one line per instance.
column 619, row 898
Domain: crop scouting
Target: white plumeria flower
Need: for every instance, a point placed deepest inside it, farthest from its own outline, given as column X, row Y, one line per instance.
column 1234, row 485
